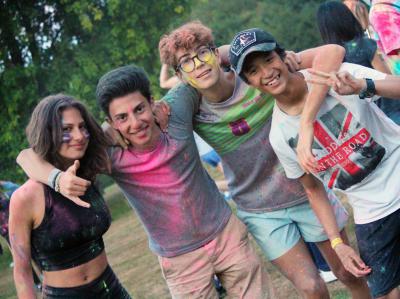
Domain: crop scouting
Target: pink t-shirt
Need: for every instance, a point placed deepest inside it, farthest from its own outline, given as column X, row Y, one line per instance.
column 178, row 203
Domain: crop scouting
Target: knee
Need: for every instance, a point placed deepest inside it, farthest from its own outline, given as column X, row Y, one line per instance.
column 314, row 287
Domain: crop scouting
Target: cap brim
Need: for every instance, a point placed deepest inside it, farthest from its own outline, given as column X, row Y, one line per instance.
column 265, row 47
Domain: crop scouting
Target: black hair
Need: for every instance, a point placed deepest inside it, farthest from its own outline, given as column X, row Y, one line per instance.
column 337, row 24
column 120, row 82
column 45, row 135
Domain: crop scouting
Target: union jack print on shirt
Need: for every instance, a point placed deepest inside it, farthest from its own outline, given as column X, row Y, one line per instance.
column 345, row 151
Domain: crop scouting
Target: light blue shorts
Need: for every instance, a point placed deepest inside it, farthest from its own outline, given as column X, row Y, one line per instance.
column 278, row 231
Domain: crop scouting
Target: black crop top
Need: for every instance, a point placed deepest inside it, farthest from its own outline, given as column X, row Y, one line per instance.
column 69, row 235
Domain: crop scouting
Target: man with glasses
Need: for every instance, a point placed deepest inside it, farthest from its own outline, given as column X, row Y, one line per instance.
column 187, row 63
column 235, row 119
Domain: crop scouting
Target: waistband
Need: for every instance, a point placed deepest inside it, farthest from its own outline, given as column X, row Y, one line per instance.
column 101, row 284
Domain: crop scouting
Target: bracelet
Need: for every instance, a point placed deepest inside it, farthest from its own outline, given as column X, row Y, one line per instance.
column 335, row 242
column 51, row 180
column 57, row 182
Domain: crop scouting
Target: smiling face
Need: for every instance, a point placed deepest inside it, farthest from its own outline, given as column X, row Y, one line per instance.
column 132, row 116
column 205, row 73
column 267, row 72
column 75, row 135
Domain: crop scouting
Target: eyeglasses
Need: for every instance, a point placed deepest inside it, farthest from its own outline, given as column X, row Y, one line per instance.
column 188, row 64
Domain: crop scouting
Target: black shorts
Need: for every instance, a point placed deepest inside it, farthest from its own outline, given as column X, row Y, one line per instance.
column 379, row 245
column 106, row 286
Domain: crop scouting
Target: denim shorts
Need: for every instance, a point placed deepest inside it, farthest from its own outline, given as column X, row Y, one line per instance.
column 379, row 245
column 106, row 286
column 278, row 231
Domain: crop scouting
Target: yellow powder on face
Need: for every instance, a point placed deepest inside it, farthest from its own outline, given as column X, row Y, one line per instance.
column 192, row 81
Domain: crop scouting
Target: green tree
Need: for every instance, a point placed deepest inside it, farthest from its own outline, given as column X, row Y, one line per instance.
column 65, row 46
column 292, row 22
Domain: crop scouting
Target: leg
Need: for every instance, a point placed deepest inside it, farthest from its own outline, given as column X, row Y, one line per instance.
column 189, row 275
column 317, row 257
column 394, row 294
column 312, row 231
column 298, row 266
column 357, row 286
column 237, row 264
column 323, row 268
column 379, row 245
column 279, row 238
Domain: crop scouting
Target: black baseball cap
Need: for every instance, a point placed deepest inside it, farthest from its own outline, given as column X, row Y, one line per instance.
column 249, row 41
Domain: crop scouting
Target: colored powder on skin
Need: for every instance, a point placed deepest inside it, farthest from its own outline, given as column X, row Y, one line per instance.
column 193, row 82
column 66, row 137
column 86, row 134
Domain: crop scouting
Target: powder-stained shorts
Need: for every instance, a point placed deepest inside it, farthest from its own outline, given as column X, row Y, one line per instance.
column 379, row 245
column 230, row 256
column 279, row 231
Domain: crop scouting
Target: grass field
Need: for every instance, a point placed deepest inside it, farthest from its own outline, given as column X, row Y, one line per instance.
column 137, row 267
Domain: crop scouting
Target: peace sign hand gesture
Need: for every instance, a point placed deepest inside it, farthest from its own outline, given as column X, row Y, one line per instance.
column 342, row 82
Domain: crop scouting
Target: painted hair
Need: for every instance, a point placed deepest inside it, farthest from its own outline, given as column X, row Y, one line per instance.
column 184, row 37
column 337, row 24
column 45, row 135
column 120, row 82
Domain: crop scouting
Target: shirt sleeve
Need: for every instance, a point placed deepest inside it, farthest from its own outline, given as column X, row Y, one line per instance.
column 184, row 102
column 114, row 154
column 286, row 155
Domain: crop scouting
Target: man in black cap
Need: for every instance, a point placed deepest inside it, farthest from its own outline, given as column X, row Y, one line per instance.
column 235, row 120
column 356, row 149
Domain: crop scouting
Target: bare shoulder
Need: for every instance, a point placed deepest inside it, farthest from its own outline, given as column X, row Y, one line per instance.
column 27, row 196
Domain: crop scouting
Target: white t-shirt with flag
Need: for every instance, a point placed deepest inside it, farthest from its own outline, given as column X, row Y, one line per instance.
column 357, row 148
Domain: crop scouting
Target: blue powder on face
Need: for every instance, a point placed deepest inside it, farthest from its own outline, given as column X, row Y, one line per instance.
column 66, row 137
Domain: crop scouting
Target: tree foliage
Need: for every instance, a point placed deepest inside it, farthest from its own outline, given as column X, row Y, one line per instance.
column 292, row 22
column 50, row 46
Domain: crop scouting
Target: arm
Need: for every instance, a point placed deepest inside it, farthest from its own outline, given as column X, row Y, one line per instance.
column 345, row 84
column 35, row 167
column 224, row 55
column 320, row 204
column 183, row 101
column 71, row 186
column 388, row 88
column 326, row 58
column 114, row 135
column 379, row 64
column 20, row 225
column 166, row 81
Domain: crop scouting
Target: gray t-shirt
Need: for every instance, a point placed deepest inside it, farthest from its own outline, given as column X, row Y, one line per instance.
column 238, row 129
column 176, row 200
